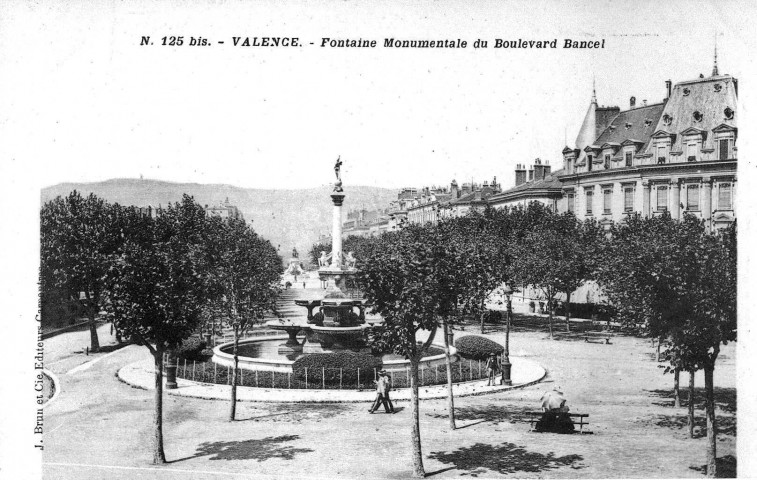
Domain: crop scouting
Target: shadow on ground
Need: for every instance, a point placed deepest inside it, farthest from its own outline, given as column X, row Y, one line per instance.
column 505, row 458
column 725, row 398
column 260, row 450
column 493, row 413
column 297, row 412
column 726, row 467
column 726, row 425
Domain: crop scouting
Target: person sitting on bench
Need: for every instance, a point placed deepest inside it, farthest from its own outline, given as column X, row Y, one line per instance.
column 555, row 417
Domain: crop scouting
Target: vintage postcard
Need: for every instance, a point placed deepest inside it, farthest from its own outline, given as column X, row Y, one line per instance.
column 377, row 240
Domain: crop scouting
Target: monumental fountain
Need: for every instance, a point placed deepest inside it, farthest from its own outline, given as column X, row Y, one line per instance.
column 335, row 322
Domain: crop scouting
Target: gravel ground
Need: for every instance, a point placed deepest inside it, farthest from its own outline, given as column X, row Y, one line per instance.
column 101, row 428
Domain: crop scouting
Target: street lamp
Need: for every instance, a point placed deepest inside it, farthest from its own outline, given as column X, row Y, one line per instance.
column 506, row 365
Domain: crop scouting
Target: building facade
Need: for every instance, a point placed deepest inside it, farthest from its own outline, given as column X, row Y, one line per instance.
column 675, row 156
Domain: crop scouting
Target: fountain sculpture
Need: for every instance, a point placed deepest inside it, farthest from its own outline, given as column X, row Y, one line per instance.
column 337, row 326
column 339, row 322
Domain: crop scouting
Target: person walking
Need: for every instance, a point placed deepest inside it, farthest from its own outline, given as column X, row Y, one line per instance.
column 383, row 386
column 492, row 366
column 387, row 389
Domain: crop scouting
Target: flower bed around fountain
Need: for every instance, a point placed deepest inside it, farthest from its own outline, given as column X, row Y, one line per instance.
column 277, row 373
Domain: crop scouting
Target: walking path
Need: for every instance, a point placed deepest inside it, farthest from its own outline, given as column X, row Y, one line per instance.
column 100, row 427
column 141, row 375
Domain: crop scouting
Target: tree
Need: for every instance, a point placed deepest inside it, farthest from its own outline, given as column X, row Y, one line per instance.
column 243, row 282
column 398, row 278
column 78, row 237
column 553, row 255
column 679, row 281
column 157, row 287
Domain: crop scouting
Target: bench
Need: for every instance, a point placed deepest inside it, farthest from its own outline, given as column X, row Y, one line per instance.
column 534, row 417
column 607, row 335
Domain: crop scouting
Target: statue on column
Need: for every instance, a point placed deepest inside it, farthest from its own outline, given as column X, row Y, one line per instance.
column 294, row 253
column 337, row 171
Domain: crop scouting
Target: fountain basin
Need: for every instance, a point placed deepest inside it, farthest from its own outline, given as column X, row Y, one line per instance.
column 268, row 362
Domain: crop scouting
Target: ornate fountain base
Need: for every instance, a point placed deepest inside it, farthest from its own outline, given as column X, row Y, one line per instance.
column 292, row 344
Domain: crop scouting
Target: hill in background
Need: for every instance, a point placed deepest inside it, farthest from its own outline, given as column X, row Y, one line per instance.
column 288, row 218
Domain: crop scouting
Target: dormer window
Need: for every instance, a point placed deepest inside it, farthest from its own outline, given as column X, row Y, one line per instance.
column 667, row 119
column 607, row 161
column 686, row 92
column 628, row 125
column 718, row 87
column 725, row 139
column 647, row 122
column 589, row 161
column 629, row 159
column 698, row 116
column 691, row 151
column 728, row 112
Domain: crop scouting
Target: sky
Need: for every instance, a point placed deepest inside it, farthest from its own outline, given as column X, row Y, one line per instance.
column 82, row 101
column 97, row 105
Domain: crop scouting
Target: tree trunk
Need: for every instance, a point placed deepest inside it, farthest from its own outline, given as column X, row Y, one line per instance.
column 676, row 388
column 92, row 314
column 234, row 376
column 549, row 307
column 450, row 397
column 418, row 471
column 711, row 426
column 567, row 312
column 159, row 455
column 691, row 404
column 483, row 315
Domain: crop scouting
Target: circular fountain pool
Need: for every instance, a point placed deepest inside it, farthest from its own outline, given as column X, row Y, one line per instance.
column 264, row 354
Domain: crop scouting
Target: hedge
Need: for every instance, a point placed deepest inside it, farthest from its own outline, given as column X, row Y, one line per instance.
column 477, row 348
column 191, row 349
column 338, row 367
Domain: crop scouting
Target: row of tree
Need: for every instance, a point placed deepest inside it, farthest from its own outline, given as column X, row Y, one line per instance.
column 158, row 274
column 671, row 279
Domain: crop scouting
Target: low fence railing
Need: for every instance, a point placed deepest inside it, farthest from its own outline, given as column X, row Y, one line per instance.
column 328, row 378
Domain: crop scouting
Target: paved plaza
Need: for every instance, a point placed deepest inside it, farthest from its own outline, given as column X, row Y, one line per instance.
column 100, row 427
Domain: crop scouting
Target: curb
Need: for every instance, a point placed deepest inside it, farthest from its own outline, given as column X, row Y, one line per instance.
column 134, row 375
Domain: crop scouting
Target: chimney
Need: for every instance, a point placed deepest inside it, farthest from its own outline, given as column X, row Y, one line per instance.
column 633, row 102
column 547, row 168
column 531, row 175
column 538, row 170
column 644, row 103
column 668, row 88
column 466, row 189
column 520, row 174
column 453, row 189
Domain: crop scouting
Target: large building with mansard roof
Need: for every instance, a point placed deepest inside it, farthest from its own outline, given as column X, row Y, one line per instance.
column 677, row 155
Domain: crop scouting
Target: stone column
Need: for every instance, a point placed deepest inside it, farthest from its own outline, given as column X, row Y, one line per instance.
column 336, row 231
column 646, row 194
column 707, row 202
column 675, row 199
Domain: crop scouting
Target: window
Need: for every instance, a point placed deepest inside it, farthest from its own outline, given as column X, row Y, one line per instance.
column 628, row 199
column 607, row 161
column 692, row 197
column 607, row 201
column 589, row 201
column 629, row 159
column 661, row 151
column 589, row 160
column 725, row 201
column 571, row 202
column 691, row 152
column 662, row 198
column 723, row 149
